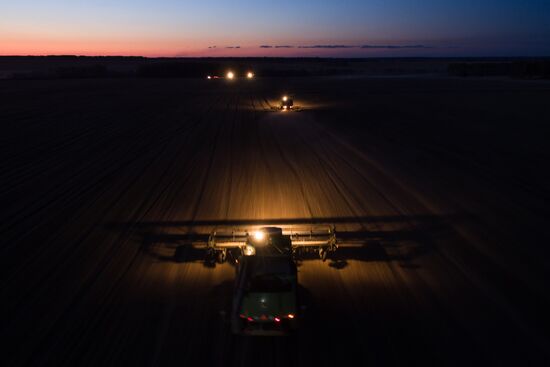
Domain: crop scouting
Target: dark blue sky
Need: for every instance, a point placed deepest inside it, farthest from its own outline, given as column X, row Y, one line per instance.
column 193, row 28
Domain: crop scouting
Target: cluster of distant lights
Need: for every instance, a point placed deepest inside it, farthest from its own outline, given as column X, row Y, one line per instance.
column 231, row 75
column 277, row 319
column 249, row 75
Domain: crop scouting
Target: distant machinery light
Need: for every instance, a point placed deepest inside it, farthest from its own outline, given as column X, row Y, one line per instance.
column 208, row 77
column 230, row 75
column 286, row 103
column 250, row 75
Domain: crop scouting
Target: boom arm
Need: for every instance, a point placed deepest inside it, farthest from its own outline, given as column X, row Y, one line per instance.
column 319, row 239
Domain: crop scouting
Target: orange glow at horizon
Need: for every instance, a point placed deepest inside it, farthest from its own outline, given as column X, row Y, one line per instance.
column 76, row 44
column 96, row 47
column 99, row 48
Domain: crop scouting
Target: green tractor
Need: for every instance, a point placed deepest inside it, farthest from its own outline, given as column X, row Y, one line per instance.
column 265, row 290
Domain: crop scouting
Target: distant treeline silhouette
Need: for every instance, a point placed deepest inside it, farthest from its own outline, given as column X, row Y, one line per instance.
column 175, row 69
column 68, row 72
column 74, row 67
column 515, row 69
column 91, row 71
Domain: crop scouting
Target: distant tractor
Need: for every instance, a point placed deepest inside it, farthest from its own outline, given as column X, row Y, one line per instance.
column 287, row 103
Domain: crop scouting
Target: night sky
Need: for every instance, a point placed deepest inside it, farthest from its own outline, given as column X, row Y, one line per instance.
column 345, row 28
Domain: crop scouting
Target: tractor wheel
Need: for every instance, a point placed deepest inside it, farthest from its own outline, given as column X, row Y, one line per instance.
column 323, row 254
column 210, row 258
column 222, row 255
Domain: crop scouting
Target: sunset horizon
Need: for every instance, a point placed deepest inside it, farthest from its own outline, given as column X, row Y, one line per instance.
column 306, row 29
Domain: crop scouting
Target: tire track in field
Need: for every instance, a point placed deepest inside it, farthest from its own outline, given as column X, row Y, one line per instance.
column 78, row 184
column 204, row 180
column 125, row 233
column 163, row 330
column 162, row 208
column 294, row 169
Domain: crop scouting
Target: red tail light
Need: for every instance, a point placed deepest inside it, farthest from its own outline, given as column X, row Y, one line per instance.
column 277, row 319
column 250, row 319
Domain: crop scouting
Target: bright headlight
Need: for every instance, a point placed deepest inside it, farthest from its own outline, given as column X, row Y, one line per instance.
column 259, row 235
column 230, row 75
column 250, row 75
column 285, row 98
